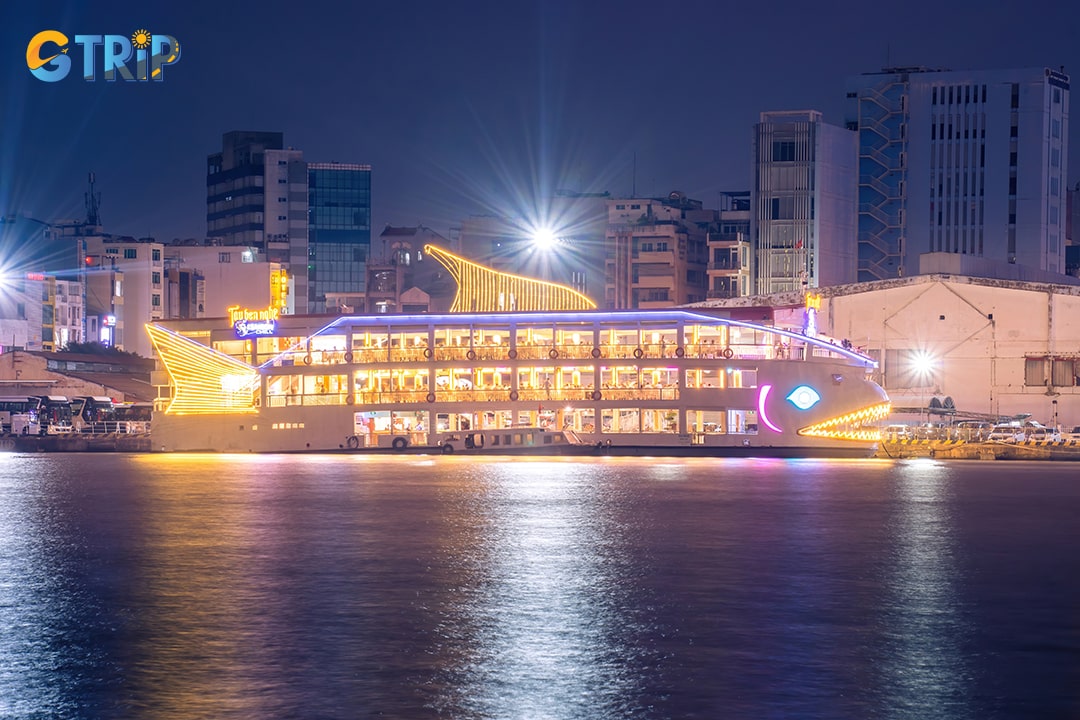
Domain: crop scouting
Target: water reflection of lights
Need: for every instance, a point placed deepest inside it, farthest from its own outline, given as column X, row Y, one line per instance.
column 548, row 624
column 924, row 668
column 33, row 606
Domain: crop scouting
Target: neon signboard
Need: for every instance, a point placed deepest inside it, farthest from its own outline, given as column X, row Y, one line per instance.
column 253, row 323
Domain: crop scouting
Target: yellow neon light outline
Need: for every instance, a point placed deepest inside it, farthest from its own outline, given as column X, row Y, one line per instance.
column 836, row 428
column 199, row 375
column 237, row 313
column 483, row 286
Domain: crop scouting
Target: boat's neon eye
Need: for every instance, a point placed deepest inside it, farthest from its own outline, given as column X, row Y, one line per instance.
column 804, row 397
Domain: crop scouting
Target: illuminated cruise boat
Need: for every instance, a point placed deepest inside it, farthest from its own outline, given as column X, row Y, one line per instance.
column 659, row 382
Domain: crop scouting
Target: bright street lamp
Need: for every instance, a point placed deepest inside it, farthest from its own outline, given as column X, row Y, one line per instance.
column 544, row 239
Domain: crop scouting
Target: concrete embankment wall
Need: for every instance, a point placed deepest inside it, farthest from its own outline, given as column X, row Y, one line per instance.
column 75, row 443
column 961, row 450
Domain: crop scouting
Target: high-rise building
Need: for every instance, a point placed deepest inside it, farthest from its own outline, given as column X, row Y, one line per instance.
column 802, row 231
column 339, row 231
column 970, row 164
column 1072, row 215
column 257, row 196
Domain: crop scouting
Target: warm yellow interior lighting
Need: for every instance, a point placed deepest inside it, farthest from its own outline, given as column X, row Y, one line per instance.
column 481, row 289
column 204, row 380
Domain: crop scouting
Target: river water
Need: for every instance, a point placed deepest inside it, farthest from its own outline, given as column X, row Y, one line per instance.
column 217, row 586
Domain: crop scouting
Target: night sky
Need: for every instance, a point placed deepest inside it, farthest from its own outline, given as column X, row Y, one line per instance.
column 468, row 107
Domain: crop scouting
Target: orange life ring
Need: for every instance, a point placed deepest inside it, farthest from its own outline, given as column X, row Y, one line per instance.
column 307, row 359
column 639, row 353
column 428, row 353
column 553, row 353
column 513, row 395
column 348, row 356
column 431, row 397
column 471, row 355
column 596, row 395
column 512, row 354
column 350, row 399
column 679, row 351
column 728, row 353
column 596, row 352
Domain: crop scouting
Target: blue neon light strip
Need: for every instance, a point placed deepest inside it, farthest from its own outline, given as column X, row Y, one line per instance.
column 590, row 316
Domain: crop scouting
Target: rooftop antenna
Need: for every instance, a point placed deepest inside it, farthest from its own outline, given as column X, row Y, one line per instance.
column 93, row 203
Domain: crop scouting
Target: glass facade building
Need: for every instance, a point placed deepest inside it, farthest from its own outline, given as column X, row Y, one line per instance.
column 339, row 230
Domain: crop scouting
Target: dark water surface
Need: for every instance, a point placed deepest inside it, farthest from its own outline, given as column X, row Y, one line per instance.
column 191, row 586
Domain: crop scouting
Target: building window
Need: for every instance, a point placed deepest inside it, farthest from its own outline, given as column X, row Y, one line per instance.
column 224, row 257
column 155, row 300
column 783, row 151
column 130, row 253
column 155, row 278
column 782, row 208
column 1035, row 371
column 1065, row 373
column 155, row 255
column 112, row 251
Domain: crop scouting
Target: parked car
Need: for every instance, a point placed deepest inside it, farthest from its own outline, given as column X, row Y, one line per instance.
column 1043, row 433
column 1073, row 434
column 972, row 430
column 895, row 433
column 1007, row 433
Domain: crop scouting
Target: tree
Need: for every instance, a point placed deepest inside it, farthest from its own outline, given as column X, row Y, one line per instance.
column 96, row 348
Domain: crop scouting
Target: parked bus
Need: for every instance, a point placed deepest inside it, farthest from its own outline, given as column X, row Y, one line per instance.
column 19, row 415
column 54, row 415
column 93, row 414
column 133, row 418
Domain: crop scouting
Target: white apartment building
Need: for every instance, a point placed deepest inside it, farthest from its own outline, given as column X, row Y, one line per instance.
column 232, row 275
column 125, row 289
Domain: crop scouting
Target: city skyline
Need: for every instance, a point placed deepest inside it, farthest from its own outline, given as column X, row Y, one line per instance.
column 468, row 109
